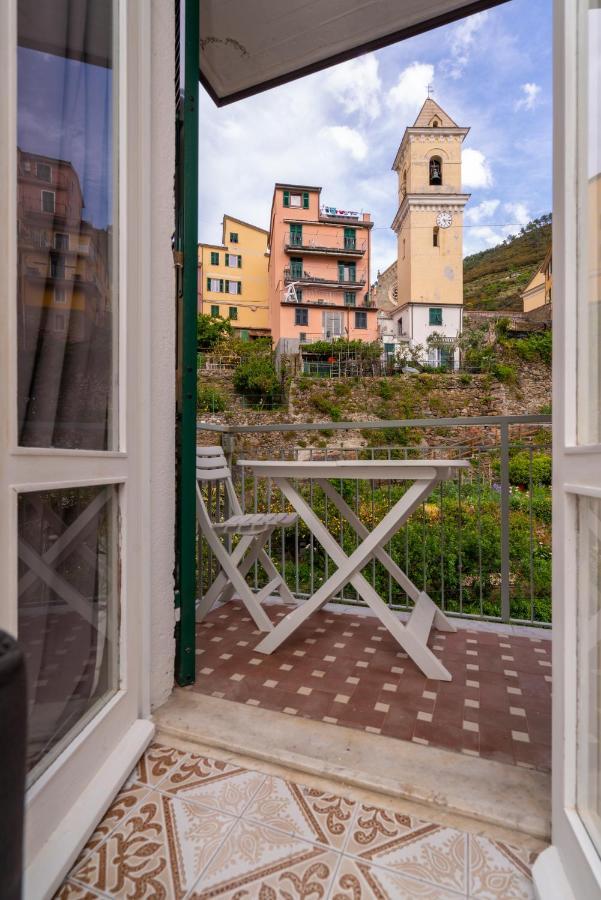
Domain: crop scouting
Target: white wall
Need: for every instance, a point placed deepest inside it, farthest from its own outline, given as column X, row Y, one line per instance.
column 421, row 329
column 162, row 306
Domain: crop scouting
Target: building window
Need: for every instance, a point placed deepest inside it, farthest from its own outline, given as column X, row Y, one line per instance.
column 299, row 294
column 57, row 267
column 347, row 272
column 404, row 182
column 350, row 298
column 296, row 268
column 435, row 313
column 44, row 172
column 233, row 287
column 350, row 239
column 360, row 319
column 48, row 201
column 436, row 170
column 403, row 248
column 233, row 260
column 233, row 312
column 297, row 200
column 214, row 259
column 303, row 337
column 59, row 322
column 214, row 311
column 60, row 296
column 332, row 324
column 233, row 237
column 435, row 236
column 215, row 284
column 401, row 332
column 301, row 316
column 296, row 235
column 61, row 241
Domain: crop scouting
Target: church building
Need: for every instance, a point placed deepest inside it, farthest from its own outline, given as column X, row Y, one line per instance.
column 429, row 229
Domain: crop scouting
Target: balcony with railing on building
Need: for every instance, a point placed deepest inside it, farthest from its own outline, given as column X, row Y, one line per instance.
column 346, row 274
column 327, row 241
column 317, row 297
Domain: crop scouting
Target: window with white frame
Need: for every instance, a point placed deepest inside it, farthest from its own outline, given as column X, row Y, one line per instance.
column 214, row 284
column 48, row 201
column 233, row 260
column 60, row 296
column 296, row 200
column 234, row 287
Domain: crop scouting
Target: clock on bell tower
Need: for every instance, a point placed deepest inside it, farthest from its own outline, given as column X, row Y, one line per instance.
column 429, row 226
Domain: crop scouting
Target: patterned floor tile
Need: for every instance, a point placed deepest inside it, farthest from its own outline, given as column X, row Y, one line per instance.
column 217, row 784
column 357, row 880
column 411, row 847
column 156, row 763
column 498, row 871
column 259, row 862
column 302, row 811
column 72, row 891
column 158, row 851
column 121, row 807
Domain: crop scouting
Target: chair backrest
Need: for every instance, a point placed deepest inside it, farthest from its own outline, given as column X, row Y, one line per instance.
column 211, row 464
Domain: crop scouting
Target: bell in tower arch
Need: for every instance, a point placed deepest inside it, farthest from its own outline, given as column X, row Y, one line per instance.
column 435, row 170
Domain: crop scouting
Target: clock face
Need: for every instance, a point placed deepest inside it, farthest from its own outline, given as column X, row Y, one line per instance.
column 444, row 219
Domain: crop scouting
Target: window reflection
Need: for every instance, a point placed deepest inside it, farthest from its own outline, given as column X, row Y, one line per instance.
column 66, row 297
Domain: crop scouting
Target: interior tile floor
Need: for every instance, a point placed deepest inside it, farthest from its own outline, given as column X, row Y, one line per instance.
column 188, row 826
column 345, row 668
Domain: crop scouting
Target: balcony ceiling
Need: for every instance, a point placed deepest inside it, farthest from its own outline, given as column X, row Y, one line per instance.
column 247, row 47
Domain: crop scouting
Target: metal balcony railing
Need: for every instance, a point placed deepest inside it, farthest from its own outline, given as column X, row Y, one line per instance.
column 480, row 546
column 304, row 277
column 317, row 243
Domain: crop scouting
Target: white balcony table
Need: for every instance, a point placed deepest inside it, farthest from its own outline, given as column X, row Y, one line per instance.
column 425, row 475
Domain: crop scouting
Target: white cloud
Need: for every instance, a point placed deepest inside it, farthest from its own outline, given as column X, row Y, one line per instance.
column 518, row 212
column 476, row 169
column 530, row 91
column 484, row 210
column 461, row 40
column 346, row 139
column 410, row 91
column 356, row 86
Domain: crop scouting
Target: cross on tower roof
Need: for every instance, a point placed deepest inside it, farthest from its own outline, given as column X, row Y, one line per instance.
column 430, row 89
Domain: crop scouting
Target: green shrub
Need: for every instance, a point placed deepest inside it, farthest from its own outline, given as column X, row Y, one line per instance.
column 520, row 468
column 465, row 378
column 211, row 330
column 210, row 399
column 385, row 390
column 535, row 346
column 324, row 405
column 503, row 372
column 257, row 379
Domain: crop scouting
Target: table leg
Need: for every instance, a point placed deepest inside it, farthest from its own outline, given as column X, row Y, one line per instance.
column 441, row 622
column 349, row 571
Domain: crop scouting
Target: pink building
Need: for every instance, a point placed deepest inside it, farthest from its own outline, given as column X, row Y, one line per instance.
column 318, row 270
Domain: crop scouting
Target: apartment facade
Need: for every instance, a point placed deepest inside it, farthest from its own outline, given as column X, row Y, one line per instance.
column 318, row 270
column 232, row 278
column 539, row 289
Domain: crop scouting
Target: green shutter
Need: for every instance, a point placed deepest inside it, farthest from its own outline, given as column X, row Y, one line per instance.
column 214, row 311
column 233, row 312
column 221, row 285
column 239, row 287
column 435, row 317
column 352, row 272
column 239, row 261
column 340, row 271
column 286, row 198
column 244, row 336
column 208, row 284
column 305, row 200
column 349, row 239
column 214, row 259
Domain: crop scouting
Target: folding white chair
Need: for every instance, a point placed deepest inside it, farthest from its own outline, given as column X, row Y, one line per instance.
column 254, row 529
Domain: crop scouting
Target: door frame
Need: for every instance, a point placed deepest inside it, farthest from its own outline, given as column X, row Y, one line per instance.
column 70, row 796
column 571, row 867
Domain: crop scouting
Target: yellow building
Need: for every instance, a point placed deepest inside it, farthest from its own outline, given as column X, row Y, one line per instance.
column 538, row 290
column 429, row 229
column 232, row 278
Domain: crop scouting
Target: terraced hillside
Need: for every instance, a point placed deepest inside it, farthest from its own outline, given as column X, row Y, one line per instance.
column 495, row 278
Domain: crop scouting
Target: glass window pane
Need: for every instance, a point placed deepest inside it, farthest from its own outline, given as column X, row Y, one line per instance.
column 589, row 300
column 67, row 612
column 589, row 665
column 66, row 216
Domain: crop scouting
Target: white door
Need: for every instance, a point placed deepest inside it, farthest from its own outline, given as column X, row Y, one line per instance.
column 572, row 867
column 74, row 373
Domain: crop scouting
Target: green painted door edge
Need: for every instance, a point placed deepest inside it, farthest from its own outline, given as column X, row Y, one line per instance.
column 185, row 656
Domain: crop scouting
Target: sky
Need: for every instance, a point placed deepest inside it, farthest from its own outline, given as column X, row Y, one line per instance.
column 341, row 128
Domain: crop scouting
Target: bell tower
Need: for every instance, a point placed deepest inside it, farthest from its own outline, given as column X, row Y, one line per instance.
column 429, row 229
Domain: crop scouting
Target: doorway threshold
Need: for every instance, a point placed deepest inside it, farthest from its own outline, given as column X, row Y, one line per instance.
column 489, row 792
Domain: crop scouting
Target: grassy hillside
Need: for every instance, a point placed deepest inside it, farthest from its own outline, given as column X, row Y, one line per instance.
column 495, row 278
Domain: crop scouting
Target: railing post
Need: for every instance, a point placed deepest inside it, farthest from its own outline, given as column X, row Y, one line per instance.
column 505, row 598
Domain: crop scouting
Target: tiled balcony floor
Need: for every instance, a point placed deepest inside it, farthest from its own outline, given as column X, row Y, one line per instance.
column 185, row 826
column 346, row 669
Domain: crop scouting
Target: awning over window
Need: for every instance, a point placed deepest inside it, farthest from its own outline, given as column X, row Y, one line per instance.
column 247, row 46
